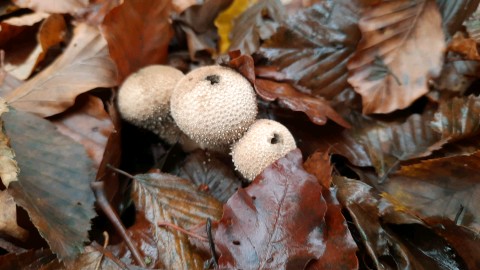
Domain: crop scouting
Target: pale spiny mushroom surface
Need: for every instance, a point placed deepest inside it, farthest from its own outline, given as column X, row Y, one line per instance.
column 263, row 143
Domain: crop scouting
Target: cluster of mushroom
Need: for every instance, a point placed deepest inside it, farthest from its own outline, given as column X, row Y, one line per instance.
column 213, row 107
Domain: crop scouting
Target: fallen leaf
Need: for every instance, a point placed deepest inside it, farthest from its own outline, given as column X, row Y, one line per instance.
column 84, row 65
column 32, row 259
column 458, row 75
column 455, row 12
column 88, row 124
column 54, row 181
column 402, row 46
column 317, row 109
column 394, row 239
column 53, row 6
column 210, row 174
column 464, row 46
column 8, row 166
column 458, row 118
column 167, row 198
column 8, row 218
column 257, row 23
column 138, row 33
column 313, row 46
column 22, row 60
column 260, row 224
column 440, row 188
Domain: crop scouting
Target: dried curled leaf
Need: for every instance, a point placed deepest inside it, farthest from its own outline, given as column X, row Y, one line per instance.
column 402, row 45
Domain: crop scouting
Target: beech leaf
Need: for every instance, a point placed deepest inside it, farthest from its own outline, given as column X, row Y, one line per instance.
column 54, row 6
column 84, row 65
column 54, row 181
column 138, row 33
column 8, row 166
column 402, row 45
column 276, row 222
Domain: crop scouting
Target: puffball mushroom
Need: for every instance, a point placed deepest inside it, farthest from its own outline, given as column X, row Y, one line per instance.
column 144, row 100
column 213, row 105
column 263, row 143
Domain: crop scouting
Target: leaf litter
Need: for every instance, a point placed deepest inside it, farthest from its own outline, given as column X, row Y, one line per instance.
column 380, row 96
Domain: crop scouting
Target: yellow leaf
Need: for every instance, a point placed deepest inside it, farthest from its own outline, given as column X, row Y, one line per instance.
column 8, row 166
column 224, row 21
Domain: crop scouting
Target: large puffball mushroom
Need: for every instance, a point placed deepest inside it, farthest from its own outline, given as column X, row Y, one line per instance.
column 214, row 105
column 263, row 143
column 144, row 100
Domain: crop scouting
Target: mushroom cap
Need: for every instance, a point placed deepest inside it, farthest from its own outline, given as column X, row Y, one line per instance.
column 213, row 105
column 144, row 97
column 263, row 143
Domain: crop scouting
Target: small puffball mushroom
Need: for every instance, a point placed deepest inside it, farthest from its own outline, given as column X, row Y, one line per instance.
column 263, row 143
column 214, row 106
column 144, row 100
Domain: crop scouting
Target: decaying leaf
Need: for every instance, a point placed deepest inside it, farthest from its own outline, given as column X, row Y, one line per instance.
column 138, row 33
column 210, row 174
column 8, row 166
column 458, row 118
column 390, row 234
column 312, row 48
column 464, row 46
column 8, row 218
column 445, row 187
column 167, row 198
column 260, row 224
column 88, row 124
column 402, row 46
column 54, row 181
column 257, row 23
column 84, row 65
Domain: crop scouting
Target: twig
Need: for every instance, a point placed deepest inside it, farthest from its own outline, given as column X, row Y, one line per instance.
column 211, row 244
column 99, row 191
column 120, row 172
column 182, row 230
column 105, row 244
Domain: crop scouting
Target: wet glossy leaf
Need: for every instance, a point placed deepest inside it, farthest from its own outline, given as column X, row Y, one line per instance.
column 210, row 174
column 138, row 33
column 167, row 198
column 394, row 239
column 402, row 46
column 317, row 108
column 84, row 65
column 458, row 118
column 313, row 46
column 444, row 187
column 54, row 181
column 257, row 23
column 259, row 228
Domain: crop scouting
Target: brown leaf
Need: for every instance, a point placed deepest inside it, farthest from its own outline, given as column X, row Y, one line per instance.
column 312, row 48
column 8, row 166
column 54, row 181
column 316, row 108
column 167, row 198
column 138, row 33
column 32, row 259
column 393, row 238
column 402, row 45
column 319, row 165
column 454, row 13
column 88, row 124
column 458, row 75
column 53, row 6
column 458, row 118
column 8, row 218
column 210, row 174
column 260, row 224
column 84, row 65
column 441, row 188
column 464, row 46
column 257, row 23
